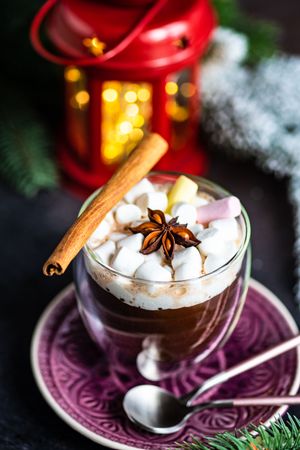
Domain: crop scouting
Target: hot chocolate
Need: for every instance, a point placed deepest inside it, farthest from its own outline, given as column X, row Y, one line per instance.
column 163, row 308
column 166, row 336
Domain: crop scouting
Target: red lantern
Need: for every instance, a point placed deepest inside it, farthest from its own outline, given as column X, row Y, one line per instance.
column 131, row 66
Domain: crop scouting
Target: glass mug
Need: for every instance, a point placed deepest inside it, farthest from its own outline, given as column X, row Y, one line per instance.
column 121, row 313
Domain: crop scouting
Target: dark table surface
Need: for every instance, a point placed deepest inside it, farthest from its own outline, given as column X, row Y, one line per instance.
column 29, row 229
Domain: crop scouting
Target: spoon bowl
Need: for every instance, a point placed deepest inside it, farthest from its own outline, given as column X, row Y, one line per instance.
column 154, row 408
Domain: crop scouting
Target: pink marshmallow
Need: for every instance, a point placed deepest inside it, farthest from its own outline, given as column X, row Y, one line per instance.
column 226, row 208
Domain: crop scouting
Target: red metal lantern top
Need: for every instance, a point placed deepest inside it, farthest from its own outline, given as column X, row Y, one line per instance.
column 139, row 38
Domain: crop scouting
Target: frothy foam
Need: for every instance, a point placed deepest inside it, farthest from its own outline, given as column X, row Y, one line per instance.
column 153, row 295
column 168, row 295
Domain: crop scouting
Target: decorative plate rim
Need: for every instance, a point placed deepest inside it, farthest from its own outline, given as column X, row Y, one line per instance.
column 276, row 302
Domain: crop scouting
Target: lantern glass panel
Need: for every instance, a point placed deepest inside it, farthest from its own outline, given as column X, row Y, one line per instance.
column 181, row 106
column 126, row 115
column 77, row 103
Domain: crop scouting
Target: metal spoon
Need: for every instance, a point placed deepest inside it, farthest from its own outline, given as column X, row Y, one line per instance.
column 139, row 407
column 162, row 413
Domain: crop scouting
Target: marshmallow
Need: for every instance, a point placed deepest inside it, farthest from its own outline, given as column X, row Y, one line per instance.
column 228, row 228
column 187, row 271
column 153, row 271
column 211, row 241
column 225, row 208
column 152, row 200
column 189, row 255
column 155, row 257
column 117, row 236
column 134, row 242
column 143, row 187
column 127, row 261
column 184, row 190
column 110, row 218
column 200, row 201
column 120, row 203
column 230, row 250
column 169, row 269
column 127, row 213
column 99, row 234
column 105, row 251
column 186, row 213
column 196, row 228
column 214, row 261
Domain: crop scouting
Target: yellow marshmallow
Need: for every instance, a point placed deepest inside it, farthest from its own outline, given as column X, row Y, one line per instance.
column 184, row 190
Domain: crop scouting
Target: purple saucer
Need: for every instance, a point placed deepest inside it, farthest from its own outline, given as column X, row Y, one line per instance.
column 74, row 376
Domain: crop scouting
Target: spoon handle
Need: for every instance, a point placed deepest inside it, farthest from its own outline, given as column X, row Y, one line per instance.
column 250, row 401
column 267, row 401
column 248, row 364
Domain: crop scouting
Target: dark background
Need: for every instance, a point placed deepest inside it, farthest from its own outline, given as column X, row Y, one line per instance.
column 29, row 229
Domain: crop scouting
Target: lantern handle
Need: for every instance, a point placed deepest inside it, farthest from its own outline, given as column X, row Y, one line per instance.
column 87, row 61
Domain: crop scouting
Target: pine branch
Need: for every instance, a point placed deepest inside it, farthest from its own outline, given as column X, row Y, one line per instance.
column 279, row 436
column 262, row 35
column 25, row 161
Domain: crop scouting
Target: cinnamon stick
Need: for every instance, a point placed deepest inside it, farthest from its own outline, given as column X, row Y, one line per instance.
column 137, row 165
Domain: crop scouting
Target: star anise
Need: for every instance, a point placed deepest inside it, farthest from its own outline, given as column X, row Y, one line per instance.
column 157, row 232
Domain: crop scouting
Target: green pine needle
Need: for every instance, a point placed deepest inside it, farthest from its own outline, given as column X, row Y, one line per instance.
column 279, row 435
column 262, row 35
column 25, row 162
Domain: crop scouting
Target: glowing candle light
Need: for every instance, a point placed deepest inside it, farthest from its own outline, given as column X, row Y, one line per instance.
column 72, row 74
column 143, row 94
column 110, row 95
column 82, row 97
column 125, row 127
column 130, row 96
column 111, row 152
column 80, row 100
column 171, row 88
column 132, row 110
column 136, row 134
column 138, row 121
column 188, row 89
